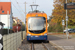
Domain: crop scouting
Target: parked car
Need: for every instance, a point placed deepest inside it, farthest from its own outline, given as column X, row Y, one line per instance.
column 66, row 30
column 70, row 31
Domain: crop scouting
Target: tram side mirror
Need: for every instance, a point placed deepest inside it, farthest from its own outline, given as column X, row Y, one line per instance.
column 47, row 25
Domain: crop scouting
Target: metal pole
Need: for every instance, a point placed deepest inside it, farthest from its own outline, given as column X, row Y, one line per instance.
column 0, row 18
column 8, row 21
column 25, row 11
column 63, row 30
column 17, row 28
column 66, row 23
column 35, row 1
column 25, row 17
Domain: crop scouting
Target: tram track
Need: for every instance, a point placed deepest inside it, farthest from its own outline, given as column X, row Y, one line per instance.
column 36, row 46
column 32, row 46
column 45, row 46
column 39, row 46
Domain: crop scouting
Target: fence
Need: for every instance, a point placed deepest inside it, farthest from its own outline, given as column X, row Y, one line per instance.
column 13, row 41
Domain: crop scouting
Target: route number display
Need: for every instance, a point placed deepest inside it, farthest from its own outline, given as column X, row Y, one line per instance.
column 69, row 6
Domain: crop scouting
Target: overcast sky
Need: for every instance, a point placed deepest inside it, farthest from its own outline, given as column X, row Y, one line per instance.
column 18, row 7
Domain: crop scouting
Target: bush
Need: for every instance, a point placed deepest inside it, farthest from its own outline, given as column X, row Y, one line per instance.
column 14, row 24
column 69, row 26
column 23, row 28
column 55, row 27
column 5, row 31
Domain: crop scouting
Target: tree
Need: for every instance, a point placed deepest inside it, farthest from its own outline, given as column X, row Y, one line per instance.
column 23, row 26
column 14, row 24
column 59, row 13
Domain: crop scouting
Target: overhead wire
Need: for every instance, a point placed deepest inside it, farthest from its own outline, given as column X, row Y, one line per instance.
column 19, row 6
column 16, row 8
column 21, row 9
column 34, row 1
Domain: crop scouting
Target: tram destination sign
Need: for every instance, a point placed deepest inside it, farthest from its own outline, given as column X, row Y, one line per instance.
column 69, row 6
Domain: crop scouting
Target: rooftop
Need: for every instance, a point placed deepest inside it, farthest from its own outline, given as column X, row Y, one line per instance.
column 4, row 7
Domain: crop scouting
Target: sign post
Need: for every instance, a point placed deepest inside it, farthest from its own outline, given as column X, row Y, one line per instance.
column 66, row 22
column 63, row 23
column 17, row 28
column 68, row 6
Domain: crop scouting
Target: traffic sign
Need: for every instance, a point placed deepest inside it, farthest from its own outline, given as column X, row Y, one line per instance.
column 0, row 26
column 1, row 46
column 66, row 18
column 63, row 23
column 69, row 6
column 0, row 36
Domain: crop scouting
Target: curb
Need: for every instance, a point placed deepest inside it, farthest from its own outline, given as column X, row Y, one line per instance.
column 58, row 47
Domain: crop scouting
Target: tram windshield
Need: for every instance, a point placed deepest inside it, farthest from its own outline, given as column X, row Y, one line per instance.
column 36, row 23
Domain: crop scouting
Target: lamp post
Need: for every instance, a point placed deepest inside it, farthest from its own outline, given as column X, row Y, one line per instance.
column 8, row 21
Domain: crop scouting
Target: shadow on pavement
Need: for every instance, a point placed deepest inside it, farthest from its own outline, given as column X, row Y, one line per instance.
column 34, row 41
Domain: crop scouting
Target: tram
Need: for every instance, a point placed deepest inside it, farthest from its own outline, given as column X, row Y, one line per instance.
column 36, row 25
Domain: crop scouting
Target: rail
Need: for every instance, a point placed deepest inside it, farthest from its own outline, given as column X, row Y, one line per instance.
column 45, row 46
column 32, row 46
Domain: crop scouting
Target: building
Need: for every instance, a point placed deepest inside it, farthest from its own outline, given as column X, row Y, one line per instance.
column 17, row 21
column 5, row 17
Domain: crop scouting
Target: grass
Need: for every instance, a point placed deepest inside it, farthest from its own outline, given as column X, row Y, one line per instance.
column 71, row 26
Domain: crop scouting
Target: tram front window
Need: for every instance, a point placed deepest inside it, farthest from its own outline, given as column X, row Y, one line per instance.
column 36, row 24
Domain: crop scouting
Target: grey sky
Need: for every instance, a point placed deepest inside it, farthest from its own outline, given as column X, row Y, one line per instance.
column 44, row 5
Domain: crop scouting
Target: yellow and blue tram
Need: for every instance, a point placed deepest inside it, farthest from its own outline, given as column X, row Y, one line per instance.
column 36, row 25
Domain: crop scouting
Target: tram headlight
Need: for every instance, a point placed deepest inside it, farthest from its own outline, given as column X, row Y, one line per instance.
column 29, row 34
column 45, row 34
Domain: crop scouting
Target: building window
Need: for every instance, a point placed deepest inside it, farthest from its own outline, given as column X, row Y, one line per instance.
column 2, row 11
